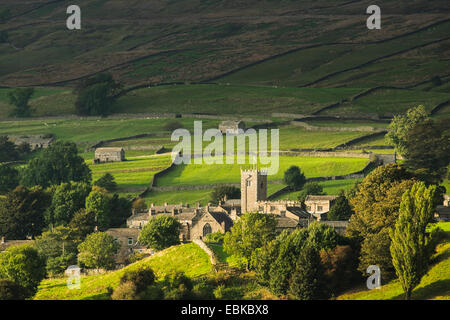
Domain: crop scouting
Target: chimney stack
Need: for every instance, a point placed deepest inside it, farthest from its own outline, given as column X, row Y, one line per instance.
column 3, row 239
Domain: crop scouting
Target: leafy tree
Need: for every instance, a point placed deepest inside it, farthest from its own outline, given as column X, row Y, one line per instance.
column 8, row 151
column 82, row 224
column 120, row 211
column 141, row 278
column 316, row 236
column 177, row 286
column 160, row 232
column 340, row 264
column 139, row 204
column 96, row 95
column 341, row 209
column 9, row 178
column 306, row 282
column 98, row 251
column 310, row 188
column 58, row 248
column 294, row 178
column 427, row 150
column 99, row 202
column 220, row 192
column 67, row 199
column 250, row 232
column 22, row 212
column 409, row 240
column 107, row 182
column 23, row 265
column 9, row 290
column 19, row 99
column 400, row 126
column 376, row 210
column 57, row 164
column 216, row 237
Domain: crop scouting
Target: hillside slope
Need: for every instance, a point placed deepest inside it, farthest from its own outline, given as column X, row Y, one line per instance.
column 196, row 40
column 187, row 258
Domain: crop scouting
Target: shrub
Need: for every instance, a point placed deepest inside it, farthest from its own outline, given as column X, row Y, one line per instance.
column 9, row 290
column 125, row 291
column 141, row 278
column 233, row 293
column 177, row 286
column 137, row 256
column 216, row 237
column 203, row 291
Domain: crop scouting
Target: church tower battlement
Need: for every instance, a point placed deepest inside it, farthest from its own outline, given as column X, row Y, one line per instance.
column 253, row 189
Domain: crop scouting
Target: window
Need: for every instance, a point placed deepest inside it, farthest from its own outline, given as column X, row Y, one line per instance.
column 249, row 183
column 130, row 241
column 207, row 229
column 319, row 208
column 308, row 208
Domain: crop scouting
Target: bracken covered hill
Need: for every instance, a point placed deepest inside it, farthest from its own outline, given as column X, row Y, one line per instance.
column 288, row 43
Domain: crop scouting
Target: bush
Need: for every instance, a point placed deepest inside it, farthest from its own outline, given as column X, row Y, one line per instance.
column 137, row 256
column 9, row 290
column 203, row 291
column 125, row 291
column 233, row 293
column 141, row 278
column 216, row 237
column 177, row 286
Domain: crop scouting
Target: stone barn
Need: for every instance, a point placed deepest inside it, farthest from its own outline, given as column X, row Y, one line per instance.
column 103, row 155
column 231, row 127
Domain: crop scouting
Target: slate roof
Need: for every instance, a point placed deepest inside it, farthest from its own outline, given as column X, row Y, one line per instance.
column 12, row 243
column 222, row 217
column 321, row 197
column 284, row 222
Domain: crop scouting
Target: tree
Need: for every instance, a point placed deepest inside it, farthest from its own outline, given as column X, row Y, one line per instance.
column 23, row 265
column 8, row 151
column 120, row 211
column 107, row 182
column 9, row 290
column 19, row 99
column 341, row 209
column 160, row 232
column 409, row 240
column 427, row 150
column 310, row 188
column 400, row 126
column 306, row 282
column 99, row 202
column 376, row 207
column 317, row 236
column 9, row 178
column 250, row 232
column 96, row 95
column 82, row 224
column 294, row 178
column 98, row 251
column 67, row 199
column 220, row 192
column 22, row 212
column 57, row 164
column 58, row 248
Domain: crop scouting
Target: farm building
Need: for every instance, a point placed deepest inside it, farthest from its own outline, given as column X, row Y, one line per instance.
column 36, row 141
column 231, row 127
column 103, row 155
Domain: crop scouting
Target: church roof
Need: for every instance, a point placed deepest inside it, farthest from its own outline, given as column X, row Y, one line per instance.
column 222, row 217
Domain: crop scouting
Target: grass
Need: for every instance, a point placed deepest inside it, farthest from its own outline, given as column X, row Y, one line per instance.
column 434, row 285
column 195, row 174
column 224, row 257
column 133, row 173
column 190, row 197
column 187, row 258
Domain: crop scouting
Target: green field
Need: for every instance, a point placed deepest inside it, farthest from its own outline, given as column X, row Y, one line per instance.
column 187, row 258
column 134, row 173
column 190, row 197
column 202, row 174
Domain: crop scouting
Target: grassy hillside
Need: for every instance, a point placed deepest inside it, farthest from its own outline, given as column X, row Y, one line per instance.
column 188, row 258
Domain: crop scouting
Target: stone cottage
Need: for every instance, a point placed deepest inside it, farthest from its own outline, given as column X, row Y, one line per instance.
column 103, row 155
column 127, row 238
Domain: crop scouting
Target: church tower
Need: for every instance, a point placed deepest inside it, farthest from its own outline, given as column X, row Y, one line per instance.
column 253, row 189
